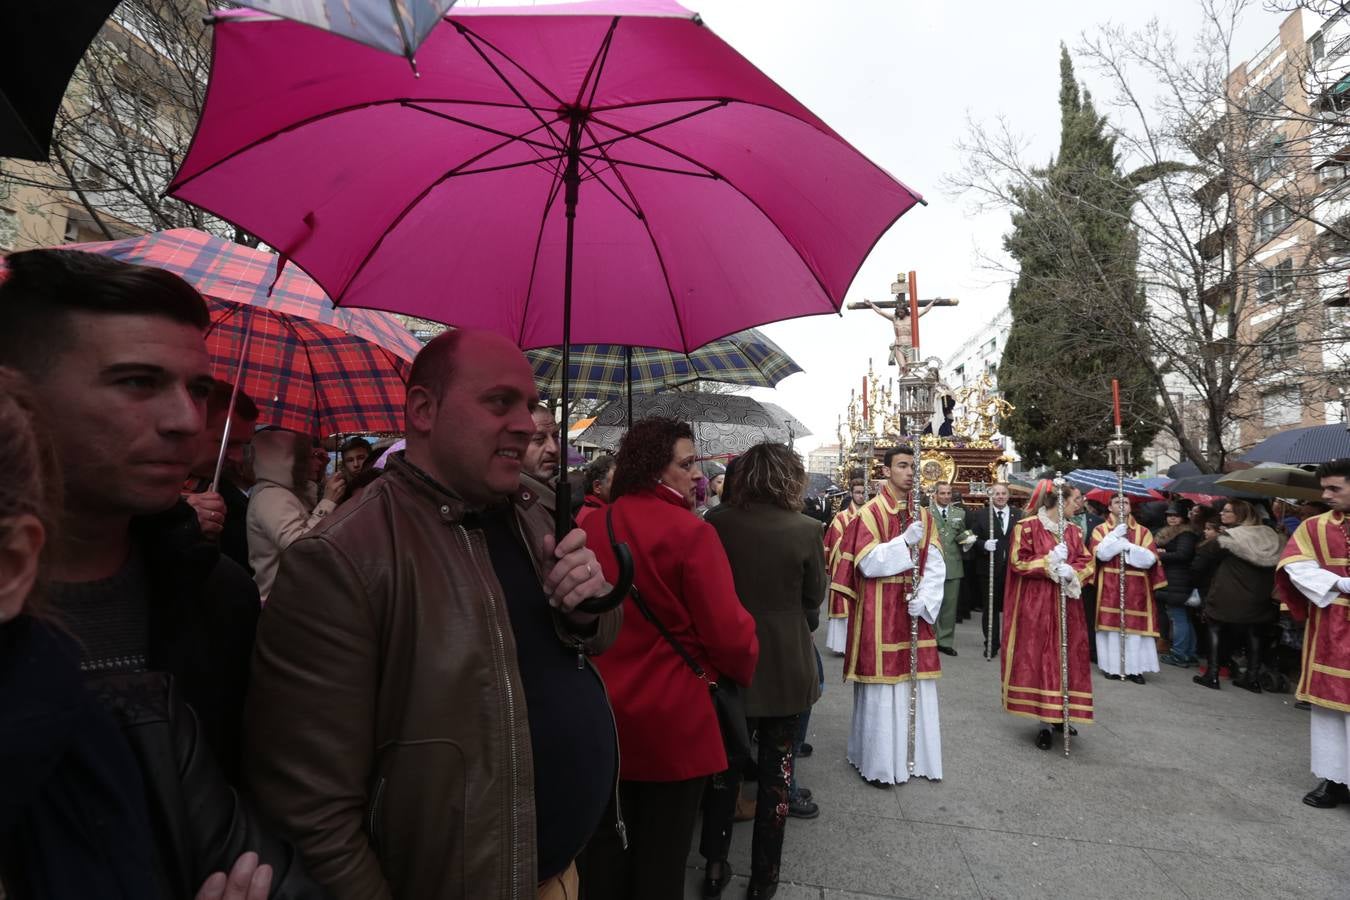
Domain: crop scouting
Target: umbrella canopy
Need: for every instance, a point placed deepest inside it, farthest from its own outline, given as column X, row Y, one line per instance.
column 310, row 367
column 1183, row 469
column 1303, row 446
column 608, row 371
column 1289, row 482
column 724, row 424
column 44, row 42
column 1104, row 497
column 706, row 199
column 1209, row 485
column 1157, row 482
column 398, row 27
column 1088, row 479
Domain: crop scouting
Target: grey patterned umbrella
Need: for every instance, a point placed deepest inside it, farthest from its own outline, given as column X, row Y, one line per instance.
column 395, row 26
column 724, row 424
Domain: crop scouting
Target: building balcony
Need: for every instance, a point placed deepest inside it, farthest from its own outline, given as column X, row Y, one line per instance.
column 1332, row 210
column 1212, row 244
column 1333, row 288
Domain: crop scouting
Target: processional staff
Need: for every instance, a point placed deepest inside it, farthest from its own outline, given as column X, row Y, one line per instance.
column 915, row 515
column 1118, row 453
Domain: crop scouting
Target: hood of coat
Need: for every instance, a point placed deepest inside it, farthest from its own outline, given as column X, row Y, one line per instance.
column 281, row 457
column 1255, row 544
column 1169, row 533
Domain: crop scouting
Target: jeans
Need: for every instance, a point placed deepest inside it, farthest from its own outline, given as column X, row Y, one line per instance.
column 1183, row 634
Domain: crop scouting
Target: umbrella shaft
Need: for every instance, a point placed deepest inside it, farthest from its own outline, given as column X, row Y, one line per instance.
column 571, row 186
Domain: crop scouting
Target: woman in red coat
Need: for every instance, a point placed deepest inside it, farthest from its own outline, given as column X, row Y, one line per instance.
column 669, row 739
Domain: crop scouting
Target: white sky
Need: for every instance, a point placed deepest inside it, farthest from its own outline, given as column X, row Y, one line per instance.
column 900, row 80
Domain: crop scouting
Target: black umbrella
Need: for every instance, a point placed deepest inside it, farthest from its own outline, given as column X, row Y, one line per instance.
column 1183, row 469
column 44, row 42
column 1303, row 446
column 1208, row 484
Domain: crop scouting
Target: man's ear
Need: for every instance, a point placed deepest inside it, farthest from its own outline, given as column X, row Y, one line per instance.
column 19, row 552
column 421, row 409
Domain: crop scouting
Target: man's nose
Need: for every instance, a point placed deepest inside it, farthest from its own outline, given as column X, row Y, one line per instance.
column 181, row 412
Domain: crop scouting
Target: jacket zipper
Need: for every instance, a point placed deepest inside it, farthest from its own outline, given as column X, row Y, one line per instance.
column 504, row 669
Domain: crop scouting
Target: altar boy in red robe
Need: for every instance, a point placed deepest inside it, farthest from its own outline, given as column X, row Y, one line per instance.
column 1120, row 539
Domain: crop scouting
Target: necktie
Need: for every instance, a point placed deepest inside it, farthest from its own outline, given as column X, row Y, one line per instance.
column 944, row 513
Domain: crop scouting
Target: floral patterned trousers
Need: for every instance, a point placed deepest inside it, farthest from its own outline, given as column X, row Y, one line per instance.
column 777, row 741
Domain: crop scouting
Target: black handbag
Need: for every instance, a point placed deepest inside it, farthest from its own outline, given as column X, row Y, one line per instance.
column 726, row 695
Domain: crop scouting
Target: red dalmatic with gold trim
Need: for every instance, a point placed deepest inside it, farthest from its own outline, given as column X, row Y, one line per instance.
column 878, row 608
column 1141, row 610
column 834, row 536
column 1326, row 638
column 1032, row 684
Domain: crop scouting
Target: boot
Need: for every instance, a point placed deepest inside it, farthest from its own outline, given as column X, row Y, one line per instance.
column 1252, row 679
column 715, row 878
column 1210, row 679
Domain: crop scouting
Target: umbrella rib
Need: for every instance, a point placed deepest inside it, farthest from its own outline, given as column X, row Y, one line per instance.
column 554, row 186
column 473, row 41
column 178, row 185
column 309, row 363
column 636, row 207
column 748, row 199
column 597, row 65
column 469, row 123
column 651, row 168
column 625, row 134
column 596, row 177
column 412, row 204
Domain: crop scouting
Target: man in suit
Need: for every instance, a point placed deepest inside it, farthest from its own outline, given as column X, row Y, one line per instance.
column 993, row 544
column 952, row 532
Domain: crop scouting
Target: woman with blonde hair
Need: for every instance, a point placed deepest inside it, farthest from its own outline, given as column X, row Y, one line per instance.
column 778, row 562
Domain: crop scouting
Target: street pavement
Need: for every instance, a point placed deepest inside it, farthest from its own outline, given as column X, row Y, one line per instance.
column 1178, row 792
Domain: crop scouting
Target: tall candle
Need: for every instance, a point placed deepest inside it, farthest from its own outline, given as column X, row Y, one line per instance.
column 1115, row 399
column 864, row 398
column 913, row 314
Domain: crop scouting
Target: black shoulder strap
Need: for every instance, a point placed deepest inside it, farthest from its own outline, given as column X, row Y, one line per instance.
column 649, row 615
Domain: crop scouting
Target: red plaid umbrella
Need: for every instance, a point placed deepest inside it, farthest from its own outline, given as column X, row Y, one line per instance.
column 311, row 367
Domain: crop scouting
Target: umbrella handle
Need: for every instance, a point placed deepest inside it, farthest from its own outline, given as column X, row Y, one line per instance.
column 624, row 557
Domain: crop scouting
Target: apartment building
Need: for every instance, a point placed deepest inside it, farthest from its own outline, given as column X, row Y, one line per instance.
column 1280, row 237
column 980, row 353
column 824, row 460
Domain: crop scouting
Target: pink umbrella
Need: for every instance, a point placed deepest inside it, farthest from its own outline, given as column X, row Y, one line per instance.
column 618, row 146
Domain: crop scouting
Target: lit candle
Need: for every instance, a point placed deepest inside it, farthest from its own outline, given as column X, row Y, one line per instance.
column 913, row 314
column 1115, row 399
column 864, row 398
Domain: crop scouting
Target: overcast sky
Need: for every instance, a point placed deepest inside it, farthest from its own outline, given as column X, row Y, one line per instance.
column 900, row 80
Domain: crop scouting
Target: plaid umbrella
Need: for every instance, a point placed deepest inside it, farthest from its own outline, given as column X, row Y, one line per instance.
column 608, row 371
column 310, row 367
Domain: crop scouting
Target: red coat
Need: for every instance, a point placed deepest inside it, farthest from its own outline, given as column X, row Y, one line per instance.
column 668, row 730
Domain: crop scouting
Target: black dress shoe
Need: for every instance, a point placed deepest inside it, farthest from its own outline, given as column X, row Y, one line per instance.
column 1327, row 795
column 761, row 891
column 804, row 793
column 878, row 783
column 715, row 878
column 950, row 651
column 1043, row 739
column 1137, row 679
column 805, row 750
column 1110, row 677
column 803, row 809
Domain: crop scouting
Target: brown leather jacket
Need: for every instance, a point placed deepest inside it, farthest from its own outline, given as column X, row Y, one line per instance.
column 386, row 732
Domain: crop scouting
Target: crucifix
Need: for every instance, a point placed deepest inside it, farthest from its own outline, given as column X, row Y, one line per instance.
column 899, row 319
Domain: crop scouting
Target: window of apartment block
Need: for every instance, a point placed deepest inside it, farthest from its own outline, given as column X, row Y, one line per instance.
column 1282, row 407
column 1333, row 174
column 1280, row 344
column 1276, row 281
column 1269, row 98
column 1272, row 220
column 1317, row 47
column 1269, row 160
column 960, row 372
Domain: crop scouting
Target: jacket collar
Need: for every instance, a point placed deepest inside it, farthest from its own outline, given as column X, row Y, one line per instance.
column 450, row 506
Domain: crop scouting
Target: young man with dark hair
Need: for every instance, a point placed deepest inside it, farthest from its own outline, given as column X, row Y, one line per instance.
column 1313, row 578
column 424, row 718
column 885, row 547
column 355, row 453
column 116, row 358
column 836, row 628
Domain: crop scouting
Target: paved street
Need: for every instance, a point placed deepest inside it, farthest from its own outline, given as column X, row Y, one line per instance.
column 1177, row 792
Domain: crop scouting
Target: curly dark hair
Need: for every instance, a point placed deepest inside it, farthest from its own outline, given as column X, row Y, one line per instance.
column 30, row 476
column 770, row 473
column 644, row 453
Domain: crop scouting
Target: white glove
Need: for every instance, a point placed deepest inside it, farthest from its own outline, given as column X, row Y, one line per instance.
column 1343, row 585
column 915, row 607
column 914, row 533
column 1119, row 530
column 1059, row 554
column 991, row 545
column 1065, row 572
column 968, row 539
